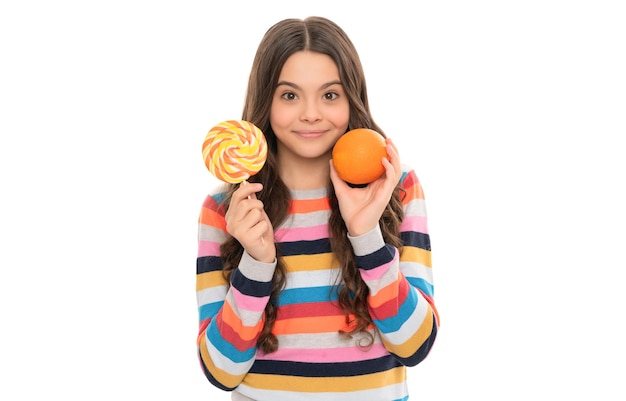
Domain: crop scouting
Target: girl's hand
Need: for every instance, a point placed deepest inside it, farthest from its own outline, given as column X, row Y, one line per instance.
column 247, row 222
column 361, row 208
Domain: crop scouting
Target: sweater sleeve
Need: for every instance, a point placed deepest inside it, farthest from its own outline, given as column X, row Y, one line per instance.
column 401, row 299
column 231, row 314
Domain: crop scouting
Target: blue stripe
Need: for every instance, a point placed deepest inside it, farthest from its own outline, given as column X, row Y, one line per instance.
column 209, row 310
column 309, row 294
column 219, row 197
column 226, row 348
column 422, row 285
column 403, row 176
column 393, row 323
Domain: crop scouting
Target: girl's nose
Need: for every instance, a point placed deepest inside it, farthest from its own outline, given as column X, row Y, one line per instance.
column 310, row 112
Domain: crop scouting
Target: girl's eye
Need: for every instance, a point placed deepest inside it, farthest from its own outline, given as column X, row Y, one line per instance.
column 330, row 96
column 289, row 96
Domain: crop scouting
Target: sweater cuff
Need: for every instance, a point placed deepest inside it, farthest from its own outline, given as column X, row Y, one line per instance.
column 367, row 243
column 255, row 270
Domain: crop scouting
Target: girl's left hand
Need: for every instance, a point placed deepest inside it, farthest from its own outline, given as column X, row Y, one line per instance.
column 361, row 208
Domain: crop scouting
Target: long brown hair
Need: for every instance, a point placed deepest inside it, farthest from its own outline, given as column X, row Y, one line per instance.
column 285, row 38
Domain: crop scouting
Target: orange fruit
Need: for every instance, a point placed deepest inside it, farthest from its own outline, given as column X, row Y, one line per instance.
column 357, row 156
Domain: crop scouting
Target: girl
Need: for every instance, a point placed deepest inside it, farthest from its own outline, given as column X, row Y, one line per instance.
column 309, row 288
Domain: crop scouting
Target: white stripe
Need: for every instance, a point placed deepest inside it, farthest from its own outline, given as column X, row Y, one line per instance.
column 314, row 278
column 416, row 207
column 210, row 233
column 303, row 194
column 248, row 318
column 222, row 362
column 323, row 340
column 391, row 392
column 390, row 276
column 418, row 270
column 304, row 220
column 210, row 295
column 413, row 323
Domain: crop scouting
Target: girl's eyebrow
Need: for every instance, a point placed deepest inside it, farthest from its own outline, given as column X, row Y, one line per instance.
column 295, row 86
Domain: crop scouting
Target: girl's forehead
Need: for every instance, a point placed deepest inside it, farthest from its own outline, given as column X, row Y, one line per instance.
column 308, row 66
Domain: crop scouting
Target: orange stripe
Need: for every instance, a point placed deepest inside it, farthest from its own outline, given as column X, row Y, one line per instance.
column 246, row 333
column 308, row 205
column 212, row 218
column 325, row 324
column 413, row 192
column 384, row 295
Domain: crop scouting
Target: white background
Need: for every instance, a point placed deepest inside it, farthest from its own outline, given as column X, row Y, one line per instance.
column 511, row 112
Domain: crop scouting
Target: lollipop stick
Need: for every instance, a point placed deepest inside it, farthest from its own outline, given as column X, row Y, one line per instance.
column 245, row 182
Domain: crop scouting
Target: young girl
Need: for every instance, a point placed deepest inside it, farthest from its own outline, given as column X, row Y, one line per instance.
column 309, row 288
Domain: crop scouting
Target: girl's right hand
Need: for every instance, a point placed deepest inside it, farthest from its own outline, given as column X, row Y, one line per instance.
column 247, row 222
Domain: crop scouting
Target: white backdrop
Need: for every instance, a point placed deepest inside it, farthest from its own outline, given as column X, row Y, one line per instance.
column 512, row 114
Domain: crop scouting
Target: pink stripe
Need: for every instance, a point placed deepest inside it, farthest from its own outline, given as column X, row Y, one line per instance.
column 351, row 354
column 208, row 248
column 248, row 303
column 302, row 233
column 377, row 272
column 414, row 223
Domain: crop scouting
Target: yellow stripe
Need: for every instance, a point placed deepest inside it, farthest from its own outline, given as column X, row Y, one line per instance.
column 320, row 261
column 325, row 384
column 209, row 279
column 414, row 254
column 412, row 344
column 220, row 375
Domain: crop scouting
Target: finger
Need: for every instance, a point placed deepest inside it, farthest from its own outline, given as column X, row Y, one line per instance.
column 251, row 196
column 390, row 170
column 392, row 152
column 242, row 222
column 249, row 209
column 392, row 174
column 248, row 220
column 394, row 158
column 252, row 229
column 247, row 190
column 391, row 143
column 259, row 230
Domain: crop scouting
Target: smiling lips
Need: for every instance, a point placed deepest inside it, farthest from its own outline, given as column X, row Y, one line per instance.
column 310, row 134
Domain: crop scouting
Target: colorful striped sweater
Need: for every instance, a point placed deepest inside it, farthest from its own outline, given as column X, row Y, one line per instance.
column 314, row 361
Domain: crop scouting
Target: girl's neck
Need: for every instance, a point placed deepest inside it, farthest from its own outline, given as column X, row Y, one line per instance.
column 304, row 174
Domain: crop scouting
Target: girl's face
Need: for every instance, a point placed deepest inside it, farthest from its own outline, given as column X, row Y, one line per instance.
column 310, row 108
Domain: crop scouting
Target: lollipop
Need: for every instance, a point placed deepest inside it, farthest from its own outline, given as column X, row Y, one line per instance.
column 234, row 150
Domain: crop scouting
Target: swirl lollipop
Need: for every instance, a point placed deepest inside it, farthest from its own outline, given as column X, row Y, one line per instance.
column 234, row 150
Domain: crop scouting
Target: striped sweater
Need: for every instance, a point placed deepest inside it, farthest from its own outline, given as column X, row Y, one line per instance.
column 314, row 361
